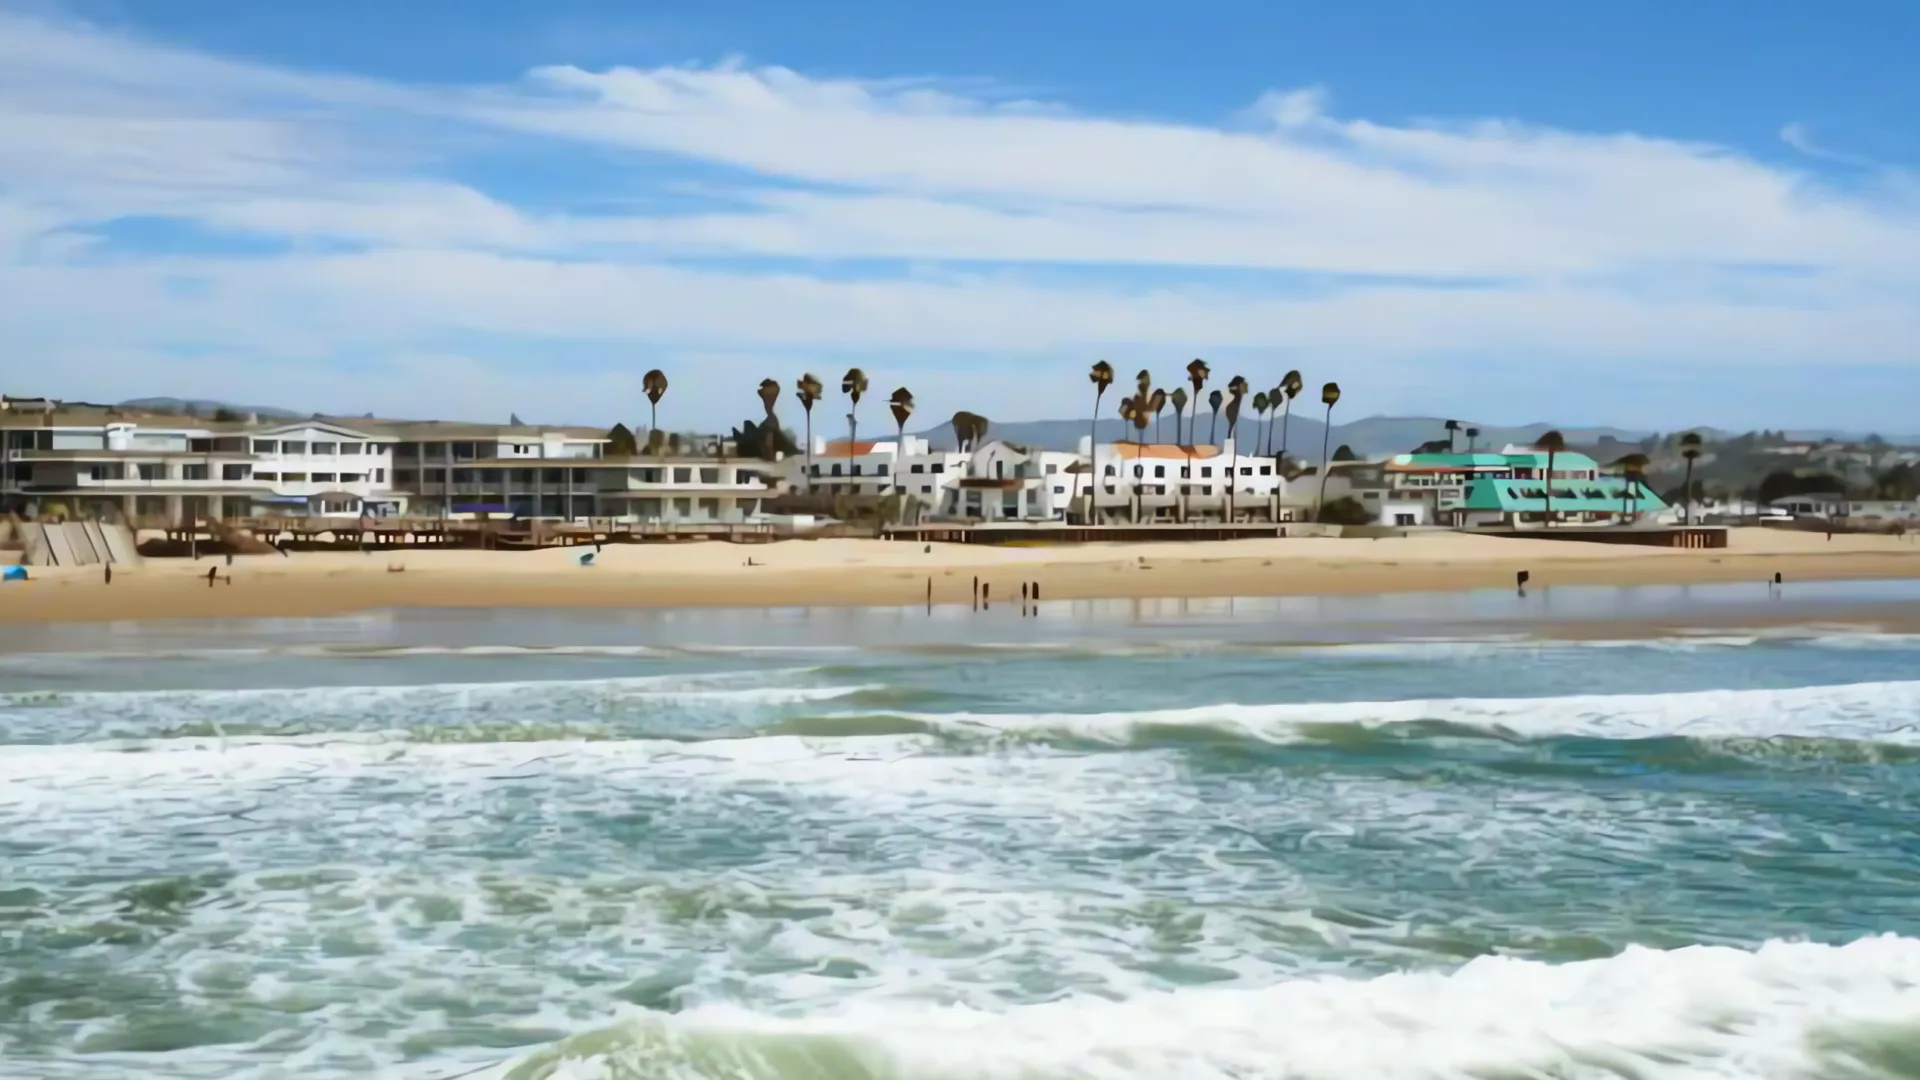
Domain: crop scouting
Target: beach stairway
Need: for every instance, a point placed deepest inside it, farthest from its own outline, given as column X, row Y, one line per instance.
column 77, row 543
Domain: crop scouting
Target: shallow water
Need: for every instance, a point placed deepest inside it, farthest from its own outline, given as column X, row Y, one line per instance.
column 1193, row 843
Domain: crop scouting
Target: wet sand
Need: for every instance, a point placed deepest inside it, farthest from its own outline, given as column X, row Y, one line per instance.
column 872, row 573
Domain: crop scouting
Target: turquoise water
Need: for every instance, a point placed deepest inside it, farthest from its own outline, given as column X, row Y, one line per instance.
column 1193, row 846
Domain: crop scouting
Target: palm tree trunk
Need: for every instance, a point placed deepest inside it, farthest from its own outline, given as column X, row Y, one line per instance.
column 1213, row 431
column 1093, row 452
column 809, row 451
column 1686, row 496
column 653, row 416
column 1549, row 490
column 853, row 435
column 1280, row 461
column 1326, row 438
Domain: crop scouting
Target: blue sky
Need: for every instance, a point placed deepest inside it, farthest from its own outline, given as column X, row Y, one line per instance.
column 1632, row 213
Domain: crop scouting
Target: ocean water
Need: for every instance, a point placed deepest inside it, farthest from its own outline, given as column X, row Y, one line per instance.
column 1192, row 843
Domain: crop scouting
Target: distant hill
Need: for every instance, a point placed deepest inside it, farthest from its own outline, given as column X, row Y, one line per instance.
column 207, row 408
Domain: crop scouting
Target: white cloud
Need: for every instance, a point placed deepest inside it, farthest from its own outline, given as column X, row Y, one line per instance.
column 1036, row 233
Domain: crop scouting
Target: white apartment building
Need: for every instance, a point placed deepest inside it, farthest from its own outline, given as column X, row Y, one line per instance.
column 102, row 461
column 1168, row 482
column 92, row 461
column 875, row 468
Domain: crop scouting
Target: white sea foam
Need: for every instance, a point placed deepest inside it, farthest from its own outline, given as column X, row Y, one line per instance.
column 1873, row 712
column 1783, row 1010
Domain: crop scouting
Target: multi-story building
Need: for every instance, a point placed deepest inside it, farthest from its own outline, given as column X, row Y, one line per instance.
column 98, row 460
column 1510, row 488
column 93, row 460
column 1169, row 482
column 1002, row 481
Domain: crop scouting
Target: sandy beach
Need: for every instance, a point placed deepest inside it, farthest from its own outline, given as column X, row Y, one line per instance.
column 871, row 572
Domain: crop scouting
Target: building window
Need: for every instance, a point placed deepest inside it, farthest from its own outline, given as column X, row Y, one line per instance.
column 350, row 447
column 709, row 476
column 235, row 472
column 323, row 478
column 683, row 476
column 265, row 446
column 193, row 472
column 353, row 478
column 926, row 489
column 1051, row 469
column 939, row 467
column 200, row 446
column 404, row 476
column 918, row 468
column 269, row 477
column 1058, row 490
column 1266, row 470
column 836, row 470
column 153, row 472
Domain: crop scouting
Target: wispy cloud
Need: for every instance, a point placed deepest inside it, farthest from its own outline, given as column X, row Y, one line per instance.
column 917, row 225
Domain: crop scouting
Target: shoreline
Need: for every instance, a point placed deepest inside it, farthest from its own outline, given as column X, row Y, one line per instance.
column 874, row 573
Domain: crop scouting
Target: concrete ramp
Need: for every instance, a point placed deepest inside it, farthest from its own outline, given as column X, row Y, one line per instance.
column 77, row 543
column 81, row 543
column 117, row 542
column 33, row 541
column 98, row 540
column 59, row 547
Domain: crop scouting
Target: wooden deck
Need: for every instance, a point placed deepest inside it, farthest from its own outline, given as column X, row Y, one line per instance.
column 397, row 534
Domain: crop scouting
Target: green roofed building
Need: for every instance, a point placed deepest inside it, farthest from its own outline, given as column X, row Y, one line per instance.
column 1509, row 489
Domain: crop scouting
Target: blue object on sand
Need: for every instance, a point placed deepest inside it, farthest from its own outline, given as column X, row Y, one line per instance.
column 587, row 559
column 13, row 573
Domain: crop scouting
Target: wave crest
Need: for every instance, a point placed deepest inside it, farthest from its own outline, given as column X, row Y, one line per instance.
column 1782, row 1010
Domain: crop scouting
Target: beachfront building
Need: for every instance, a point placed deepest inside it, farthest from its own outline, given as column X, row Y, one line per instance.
column 563, row 473
column 100, row 461
column 874, row 469
column 1003, row 481
column 1829, row 506
column 158, row 469
column 1136, row 481
column 1510, row 489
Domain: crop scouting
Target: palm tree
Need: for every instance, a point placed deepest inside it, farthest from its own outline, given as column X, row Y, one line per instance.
column 1236, row 393
column 1329, row 396
column 1453, row 428
column 1553, row 443
column 1633, row 471
column 1260, row 410
column 1689, row 449
column 1472, row 434
column 853, row 384
column 769, row 392
column 1213, row 430
column 1133, row 410
column 1290, row 386
column 1179, row 399
column 808, row 390
column 655, row 384
column 1157, row 404
column 1101, row 376
column 1197, row 375
column 902, row 405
